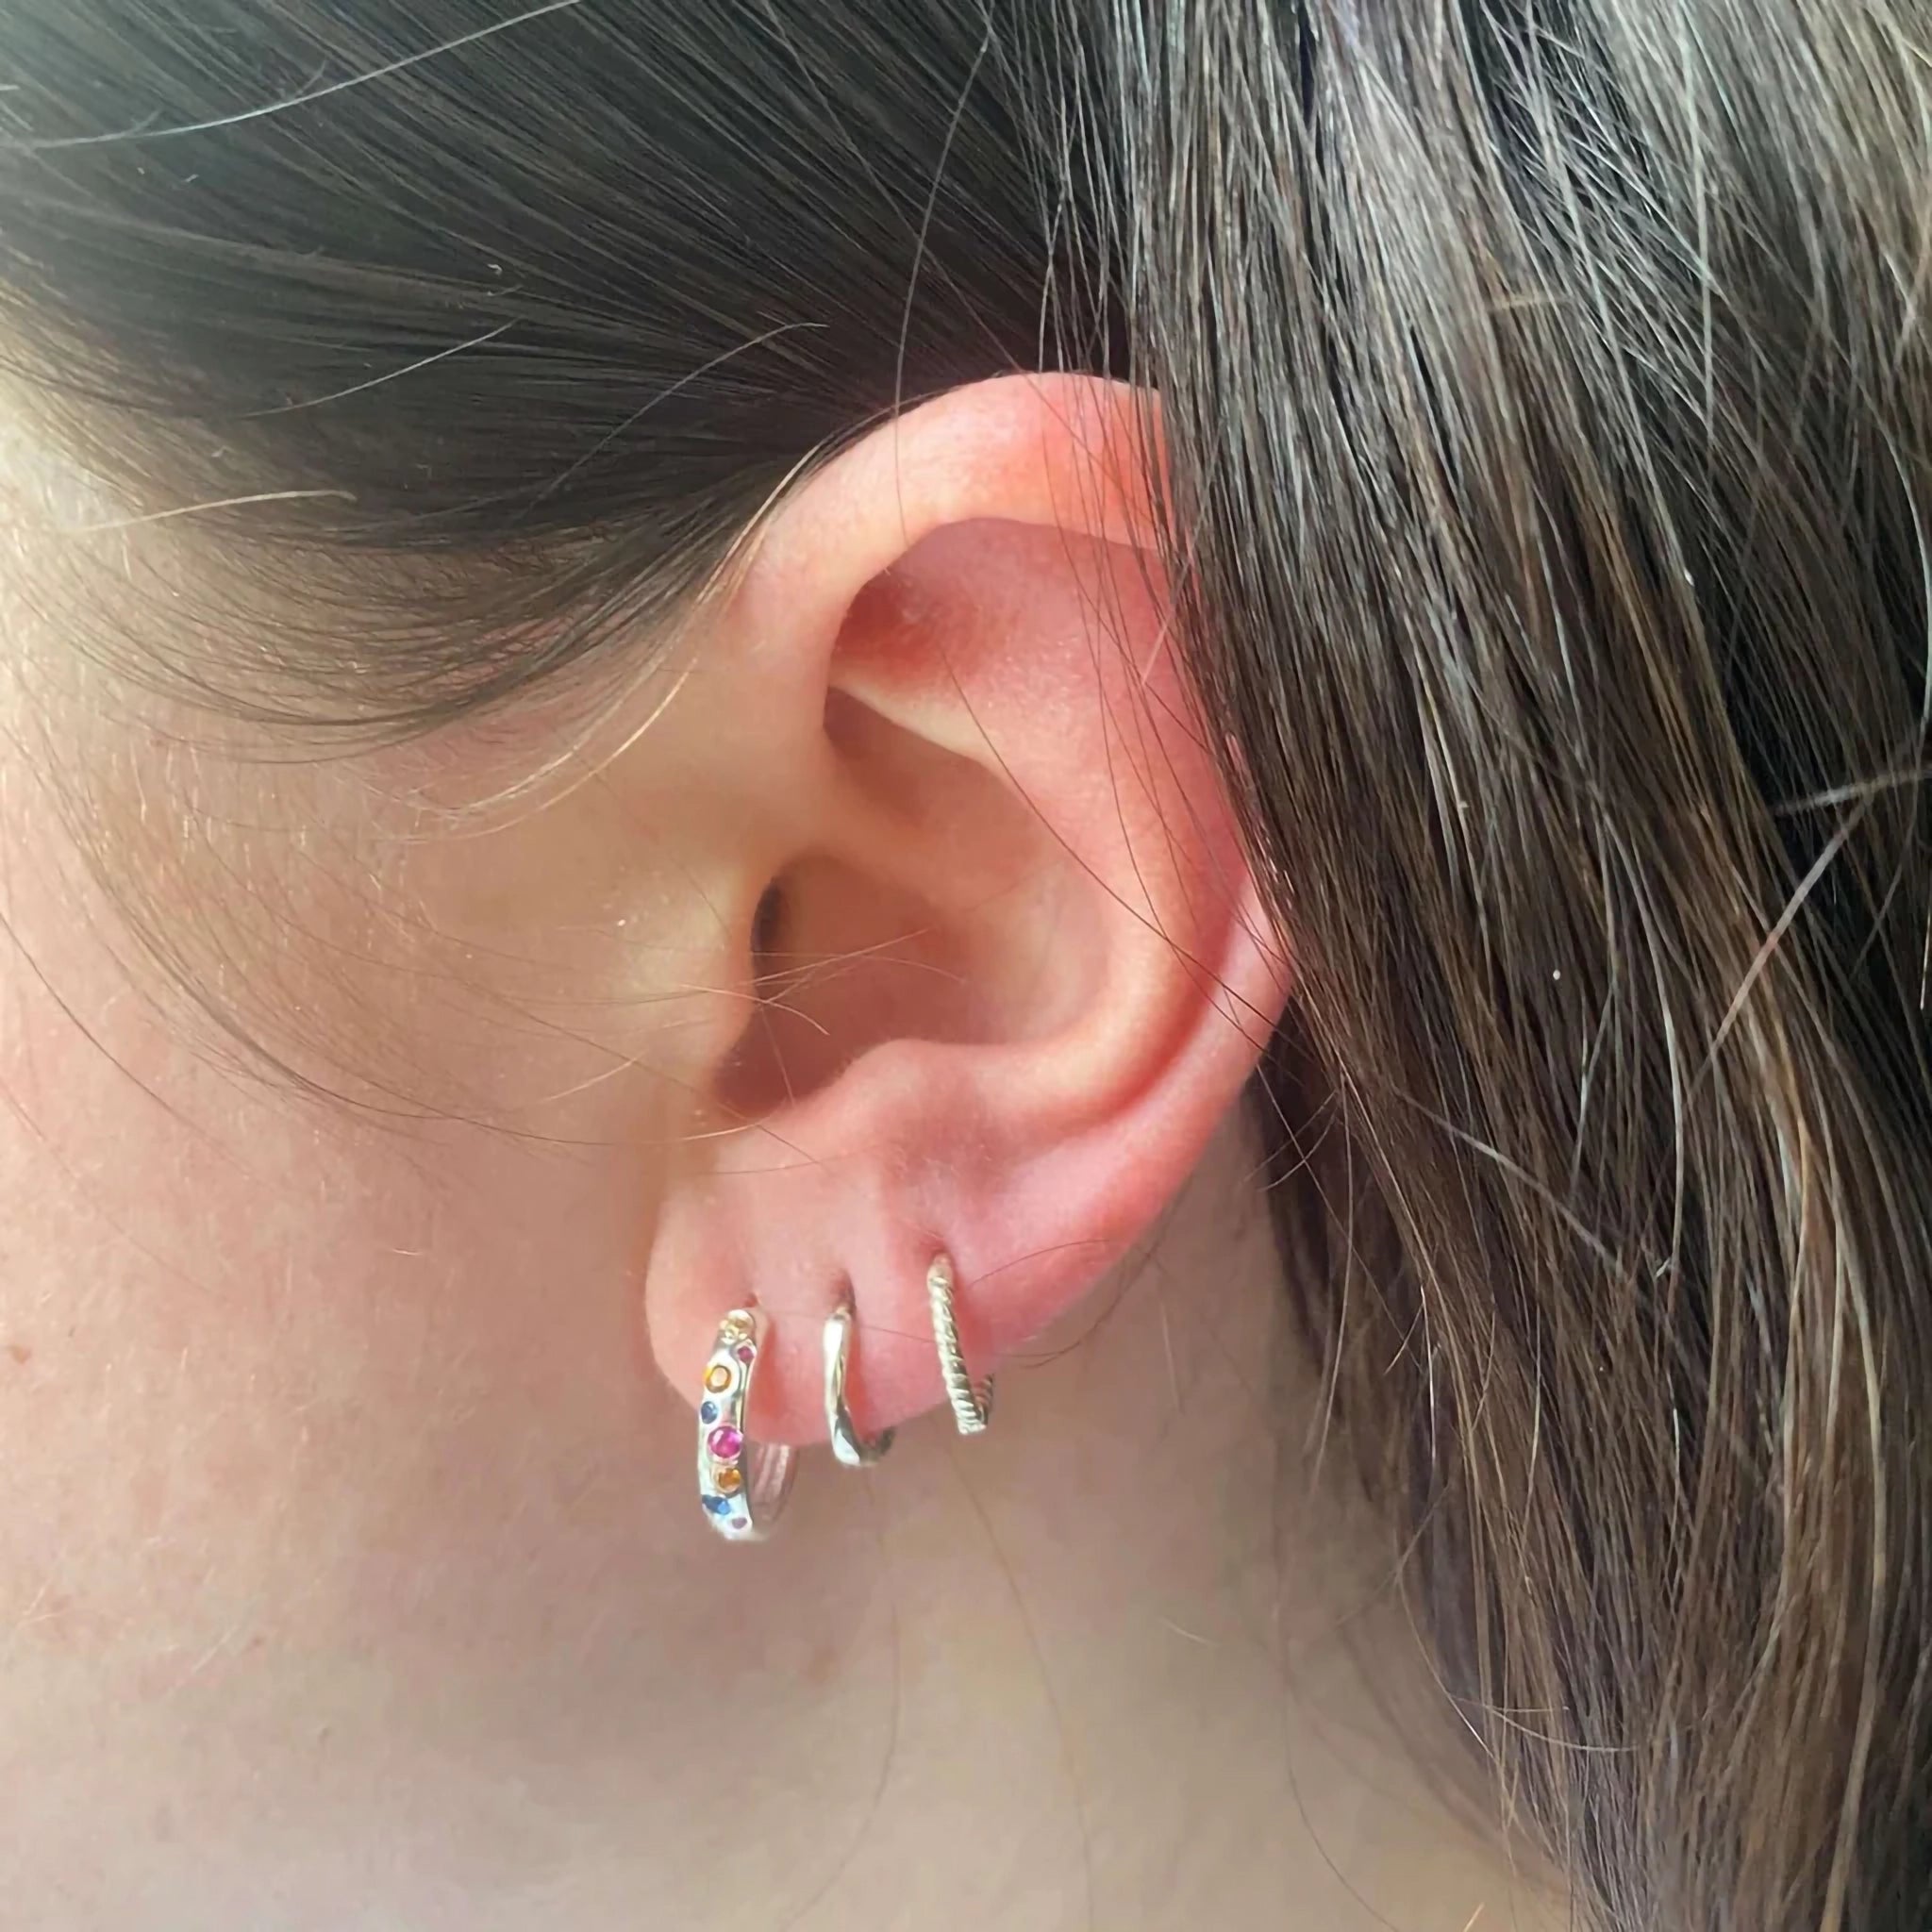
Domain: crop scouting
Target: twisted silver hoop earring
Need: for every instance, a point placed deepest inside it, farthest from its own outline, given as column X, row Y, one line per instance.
column 971, row 1408
column 742, row 1485
column 848, row 1445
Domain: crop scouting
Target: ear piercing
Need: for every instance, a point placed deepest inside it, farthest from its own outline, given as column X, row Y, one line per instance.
column 971, row 1408
column 744, row 1484
column 848, row 1445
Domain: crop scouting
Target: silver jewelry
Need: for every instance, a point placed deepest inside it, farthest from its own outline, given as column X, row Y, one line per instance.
column 742, row 1485
column 971, row 1408
column 848, row 1445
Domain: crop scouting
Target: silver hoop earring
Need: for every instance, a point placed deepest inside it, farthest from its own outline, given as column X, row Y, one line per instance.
column 742, row 1485
column 971, row 1408
column 848, row 1445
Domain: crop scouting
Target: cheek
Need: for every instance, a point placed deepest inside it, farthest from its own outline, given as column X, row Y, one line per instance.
column 281, row 1381
column 289, row 1390
column 559, row 965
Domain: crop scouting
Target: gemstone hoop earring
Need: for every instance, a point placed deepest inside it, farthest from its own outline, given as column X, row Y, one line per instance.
column 742, row 1485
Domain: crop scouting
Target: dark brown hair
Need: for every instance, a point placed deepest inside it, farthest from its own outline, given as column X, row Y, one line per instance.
column 1547, row 409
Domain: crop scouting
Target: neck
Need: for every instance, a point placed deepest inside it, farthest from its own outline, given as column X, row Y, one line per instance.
column 404, row 1623
column 1130, row 1635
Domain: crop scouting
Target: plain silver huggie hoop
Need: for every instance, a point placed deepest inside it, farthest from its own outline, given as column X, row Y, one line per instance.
column 971, row 1408
column 848, row 1445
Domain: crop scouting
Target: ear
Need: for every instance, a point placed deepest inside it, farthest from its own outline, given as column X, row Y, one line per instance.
column 1009, row 968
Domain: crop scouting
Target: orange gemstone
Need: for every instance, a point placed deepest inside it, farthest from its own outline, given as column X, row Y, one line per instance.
column 729, row 1482
column 717, row 1379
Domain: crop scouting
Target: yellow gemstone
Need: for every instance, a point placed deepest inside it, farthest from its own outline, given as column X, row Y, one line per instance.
column 717, row 1379
column 729, row 1482
column 736, row 1326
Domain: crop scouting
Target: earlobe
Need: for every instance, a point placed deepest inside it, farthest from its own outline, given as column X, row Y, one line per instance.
column 1014, row 970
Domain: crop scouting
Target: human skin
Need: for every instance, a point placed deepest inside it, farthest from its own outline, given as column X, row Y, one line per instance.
column 351, row 1574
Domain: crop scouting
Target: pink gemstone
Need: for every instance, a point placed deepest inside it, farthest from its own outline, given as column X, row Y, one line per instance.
column 724, row 1443
column 738, row 1522
column 747, row 1353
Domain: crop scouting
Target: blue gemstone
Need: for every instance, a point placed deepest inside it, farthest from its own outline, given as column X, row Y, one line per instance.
column 709, row 1413
column 717, row 1504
